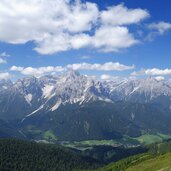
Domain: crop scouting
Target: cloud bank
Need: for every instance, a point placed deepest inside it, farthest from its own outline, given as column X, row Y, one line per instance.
column 60, row 25
column 109, row 66
column 153, row 72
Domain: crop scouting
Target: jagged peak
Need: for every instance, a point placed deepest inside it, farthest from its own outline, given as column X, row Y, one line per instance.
column 72, row 73
column 28, row 78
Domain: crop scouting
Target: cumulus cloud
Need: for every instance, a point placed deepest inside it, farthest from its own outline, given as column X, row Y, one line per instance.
column 111, row 39
column 153, row 71
column 15, row 68
column 109, row 66
column 106, row 39
column 4, row 75
column 108, row 77
column 35, row 18
column 121, row 15
column 37, row 71
column 160, row 27
column 62, row 42
column 61, row 25
column 160, row 78
column 157, row 29
column 156, row 71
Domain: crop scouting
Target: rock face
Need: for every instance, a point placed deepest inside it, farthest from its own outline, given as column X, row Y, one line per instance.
column 50, row 97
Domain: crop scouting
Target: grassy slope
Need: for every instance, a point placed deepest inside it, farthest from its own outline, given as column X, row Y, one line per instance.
column 162, row 162
column 122, row 165
column 157, row 159
column 143, row 162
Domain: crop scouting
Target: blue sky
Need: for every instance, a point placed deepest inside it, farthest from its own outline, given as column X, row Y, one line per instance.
column 102, row 38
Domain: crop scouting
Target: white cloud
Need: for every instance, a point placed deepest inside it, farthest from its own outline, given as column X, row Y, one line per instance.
column 108, row 77
column 160, row 27
column 82, row 17
column 37, row 71
column 160, row 78
column 15, row 68
column 105, row 77
column 2, row 61
column 106, row 39
column 156, row 71
column 110, row 39
column 157, row 29
column 109, row 66
column 80, row 41
column 4, row 54
column 4, row 75
column 61, row 25
column 53, row 43
column 85, row 57
column 31, row 19
column 153, row 71
column 121, row 15
column 62, row 42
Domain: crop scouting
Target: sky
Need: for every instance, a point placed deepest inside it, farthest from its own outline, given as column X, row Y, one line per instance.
column 102, row 38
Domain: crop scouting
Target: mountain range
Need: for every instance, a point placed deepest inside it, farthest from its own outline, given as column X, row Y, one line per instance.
column 72, row 106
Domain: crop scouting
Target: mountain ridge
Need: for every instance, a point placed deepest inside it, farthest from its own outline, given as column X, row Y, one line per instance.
column 51, row 91
column 76, row 107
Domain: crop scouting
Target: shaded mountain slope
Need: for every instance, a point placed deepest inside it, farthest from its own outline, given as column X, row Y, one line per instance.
column 99, row 120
